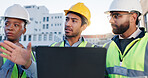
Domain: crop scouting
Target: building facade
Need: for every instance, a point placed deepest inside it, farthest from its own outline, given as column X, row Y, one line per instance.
column 44, row 29
column 99, row 40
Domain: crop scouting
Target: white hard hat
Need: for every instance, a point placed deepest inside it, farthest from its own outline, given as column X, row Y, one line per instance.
column 17, row 11
column 125, row 5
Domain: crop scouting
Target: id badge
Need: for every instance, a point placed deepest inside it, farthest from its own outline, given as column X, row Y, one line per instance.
column 120, row 70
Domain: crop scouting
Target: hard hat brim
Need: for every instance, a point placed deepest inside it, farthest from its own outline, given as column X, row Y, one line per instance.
column 28, row 21
column 66, row 11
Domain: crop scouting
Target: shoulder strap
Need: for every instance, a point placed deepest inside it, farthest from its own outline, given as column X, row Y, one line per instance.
column 106, row 45
column 58, row 44
column 85, row 44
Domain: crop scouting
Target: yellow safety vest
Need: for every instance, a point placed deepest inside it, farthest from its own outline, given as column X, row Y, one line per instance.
column 134, row 60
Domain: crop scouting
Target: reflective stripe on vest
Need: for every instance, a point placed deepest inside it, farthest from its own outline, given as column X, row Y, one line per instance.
column 83, row 44
column 15, row 69
column 136, row 60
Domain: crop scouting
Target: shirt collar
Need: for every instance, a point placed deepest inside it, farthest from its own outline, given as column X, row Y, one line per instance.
column 75, row 44
column 134, row 35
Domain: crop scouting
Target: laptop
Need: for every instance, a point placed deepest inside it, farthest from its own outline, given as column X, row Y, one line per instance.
column 70, row 62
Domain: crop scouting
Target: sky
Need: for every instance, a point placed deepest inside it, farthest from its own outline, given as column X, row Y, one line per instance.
column 99, row 22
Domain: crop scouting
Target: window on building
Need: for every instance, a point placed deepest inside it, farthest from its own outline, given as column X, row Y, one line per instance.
column 44, row 19
column 36, row 22
column 55, row 24
column 60, row 24
column 4, row 37
column 51, row 24
column 50, row 36
column 47, row 26
column 34, row 37
column 40, row 37
column 55, row 32
column 43, row 26
column 55, row 17
column 45, row 37
column 20, row 39
column 0, row 38
column 60, row 16
column 59, row 33
column 52, row 17
column 47, row 19
column 31, row 19
column 29, row 38
column 28, row 7
column 24, row 37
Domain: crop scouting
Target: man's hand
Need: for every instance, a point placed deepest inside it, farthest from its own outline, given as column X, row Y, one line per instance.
column 17, row 54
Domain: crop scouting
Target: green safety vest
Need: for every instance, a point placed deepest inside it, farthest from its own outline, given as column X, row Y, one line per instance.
column 83, row 44
column 134, row 60
column 15, row 69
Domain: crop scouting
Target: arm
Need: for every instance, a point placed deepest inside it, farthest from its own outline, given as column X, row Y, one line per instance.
column 18, row 55
column 31, row 72
column 8, row 66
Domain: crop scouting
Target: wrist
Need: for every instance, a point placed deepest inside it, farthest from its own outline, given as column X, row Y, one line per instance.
column 27, row 65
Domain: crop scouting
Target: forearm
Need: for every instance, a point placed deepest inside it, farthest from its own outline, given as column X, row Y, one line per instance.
column 31, row 72
column 6, row 69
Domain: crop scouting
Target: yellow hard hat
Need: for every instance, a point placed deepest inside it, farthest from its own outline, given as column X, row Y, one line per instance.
column 81, row 9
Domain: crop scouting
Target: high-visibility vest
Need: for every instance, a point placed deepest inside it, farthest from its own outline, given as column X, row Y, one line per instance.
column 15, row 68
column 82, row 44
column 134, row 59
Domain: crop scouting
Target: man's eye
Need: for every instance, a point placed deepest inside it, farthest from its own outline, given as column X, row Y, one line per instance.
column 116, row 16
column 6, row 24
column 74, row 21
column 16, row 25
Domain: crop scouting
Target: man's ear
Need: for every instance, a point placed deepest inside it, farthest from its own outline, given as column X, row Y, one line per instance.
column 134, row 17
column 84, row 27
column 24, row 31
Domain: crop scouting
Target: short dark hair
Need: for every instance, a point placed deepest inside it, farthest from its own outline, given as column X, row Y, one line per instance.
column 83, row 19
column 138, row 13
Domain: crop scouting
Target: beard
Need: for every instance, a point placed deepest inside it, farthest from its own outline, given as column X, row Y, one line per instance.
column 120, row 29
column 72, row 35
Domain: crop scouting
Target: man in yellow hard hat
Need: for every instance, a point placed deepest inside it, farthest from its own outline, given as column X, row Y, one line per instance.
column 20, row 64
column 127, row 54
column 77, row 19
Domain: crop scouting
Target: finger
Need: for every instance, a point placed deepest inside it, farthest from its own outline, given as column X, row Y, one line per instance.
column 7, row 47
column 10, row 44
column 29, row 47
column 5, row 56
column 5, row 51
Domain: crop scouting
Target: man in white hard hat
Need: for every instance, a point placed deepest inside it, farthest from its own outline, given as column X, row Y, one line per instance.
column 127, row 54
column 77, row 19
column 16, row 64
